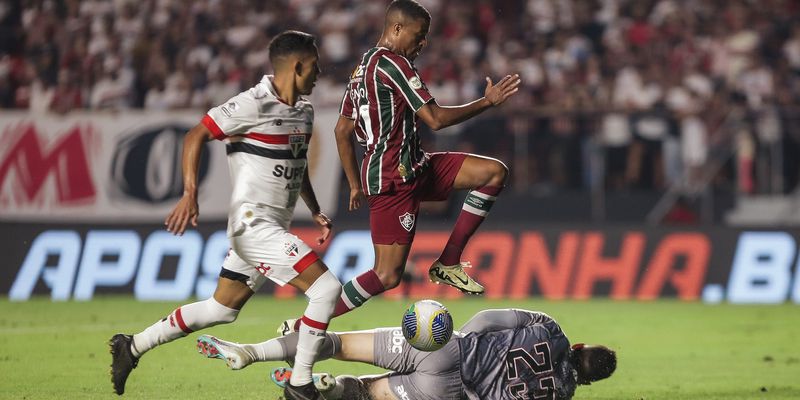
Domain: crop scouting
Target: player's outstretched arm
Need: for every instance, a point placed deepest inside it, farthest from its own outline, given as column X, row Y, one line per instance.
column 307, row 193
column 345, row 129
column 438, row 117
column 501, row 319
column 187, row 210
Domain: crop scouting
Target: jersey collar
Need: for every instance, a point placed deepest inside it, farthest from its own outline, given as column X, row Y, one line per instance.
column 266, row 80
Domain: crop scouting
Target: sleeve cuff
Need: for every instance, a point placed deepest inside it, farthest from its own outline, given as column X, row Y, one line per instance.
column 429, row 100
column 213, row 127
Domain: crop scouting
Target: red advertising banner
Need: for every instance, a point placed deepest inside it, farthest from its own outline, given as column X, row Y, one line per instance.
column 100, row 167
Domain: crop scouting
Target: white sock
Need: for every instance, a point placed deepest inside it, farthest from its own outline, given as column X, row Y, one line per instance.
column 285, row 348
column 271, row 350
column 322, row 297
column 181, row 322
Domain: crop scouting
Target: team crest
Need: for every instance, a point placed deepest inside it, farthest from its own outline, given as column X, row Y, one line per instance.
column 415, row 83
column 407, row 221
column 296, row 142
column 290, row 249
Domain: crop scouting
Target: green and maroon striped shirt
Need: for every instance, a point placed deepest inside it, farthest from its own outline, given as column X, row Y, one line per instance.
column 383, row 96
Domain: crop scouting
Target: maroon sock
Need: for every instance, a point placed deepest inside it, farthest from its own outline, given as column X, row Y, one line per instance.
column 476, row 207
column 357, row 292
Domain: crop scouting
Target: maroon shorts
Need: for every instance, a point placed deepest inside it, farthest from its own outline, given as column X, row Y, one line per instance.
column 393, row 214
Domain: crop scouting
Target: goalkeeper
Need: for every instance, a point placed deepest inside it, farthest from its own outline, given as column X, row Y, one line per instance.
column 498, row 354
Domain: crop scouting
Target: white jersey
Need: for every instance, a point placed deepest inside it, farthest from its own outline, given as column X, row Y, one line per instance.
column 267, row 141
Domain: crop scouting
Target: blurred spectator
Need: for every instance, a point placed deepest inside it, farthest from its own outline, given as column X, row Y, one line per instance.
column 67, row 95
column 650, row 79
column 681, row 213
column 113, row 89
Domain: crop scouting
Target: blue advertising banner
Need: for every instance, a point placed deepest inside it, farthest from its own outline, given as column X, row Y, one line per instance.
column 716, row 264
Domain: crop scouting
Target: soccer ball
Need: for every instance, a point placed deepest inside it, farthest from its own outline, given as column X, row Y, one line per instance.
column 427, row 325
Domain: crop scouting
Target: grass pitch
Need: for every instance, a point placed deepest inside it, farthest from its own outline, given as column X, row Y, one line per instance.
column 666, row 350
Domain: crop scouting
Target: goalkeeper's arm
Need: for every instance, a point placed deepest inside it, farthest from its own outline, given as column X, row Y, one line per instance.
column 509, row 318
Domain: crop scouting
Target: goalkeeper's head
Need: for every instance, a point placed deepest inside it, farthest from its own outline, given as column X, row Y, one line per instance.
column 593, row 362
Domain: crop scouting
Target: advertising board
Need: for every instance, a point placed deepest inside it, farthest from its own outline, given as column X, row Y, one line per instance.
column 571, row 262
column 106, row 167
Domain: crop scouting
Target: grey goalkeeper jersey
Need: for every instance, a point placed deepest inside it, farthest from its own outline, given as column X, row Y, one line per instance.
column 515, row 354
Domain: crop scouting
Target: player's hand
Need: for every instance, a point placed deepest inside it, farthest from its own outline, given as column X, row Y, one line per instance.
column 503, row 89
column 326, row 226
column 356, row 199
column 185, row 212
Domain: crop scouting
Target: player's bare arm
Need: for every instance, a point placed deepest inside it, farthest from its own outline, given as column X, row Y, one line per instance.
column 439, row 117
column 307, row 193
column 345, row 129
column 187, row 210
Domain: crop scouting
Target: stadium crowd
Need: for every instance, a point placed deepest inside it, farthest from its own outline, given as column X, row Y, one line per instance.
column 664, row 87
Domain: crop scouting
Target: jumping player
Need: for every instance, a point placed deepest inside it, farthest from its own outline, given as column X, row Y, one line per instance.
column 267, row 130
column 498, row 354
column 381, row 106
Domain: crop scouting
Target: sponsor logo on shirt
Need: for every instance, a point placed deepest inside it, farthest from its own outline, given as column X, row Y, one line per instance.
column 402, row 170
column 288, row 172
column 357, row 74
column 401, row 391
column 230, row 108
column 415, row 83
column 397, row 342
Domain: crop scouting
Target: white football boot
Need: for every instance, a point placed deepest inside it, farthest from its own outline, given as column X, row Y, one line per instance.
column 234, row 355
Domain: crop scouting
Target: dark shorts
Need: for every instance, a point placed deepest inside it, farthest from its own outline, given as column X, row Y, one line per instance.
column 417, row 374
column 393, row 215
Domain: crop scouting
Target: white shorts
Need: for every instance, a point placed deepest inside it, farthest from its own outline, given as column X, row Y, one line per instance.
column 266, row 251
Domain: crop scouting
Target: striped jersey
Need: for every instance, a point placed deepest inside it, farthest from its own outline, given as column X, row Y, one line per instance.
column 383, row 96
column 266, row 141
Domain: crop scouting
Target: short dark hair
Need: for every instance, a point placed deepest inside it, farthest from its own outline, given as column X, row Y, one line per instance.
column 411, row 9
column 291, row 42
column 597, row 362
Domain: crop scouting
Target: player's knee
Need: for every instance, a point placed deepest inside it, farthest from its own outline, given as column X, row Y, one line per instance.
column 499, row 172
column 218, row 313
column 390, row 278
column 326, row 288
